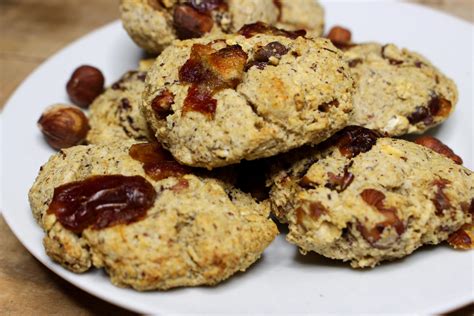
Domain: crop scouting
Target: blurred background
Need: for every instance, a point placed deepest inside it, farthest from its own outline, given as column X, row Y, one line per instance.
column 31, row 31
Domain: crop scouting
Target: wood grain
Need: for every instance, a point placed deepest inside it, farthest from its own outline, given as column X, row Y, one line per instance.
column 30, row 31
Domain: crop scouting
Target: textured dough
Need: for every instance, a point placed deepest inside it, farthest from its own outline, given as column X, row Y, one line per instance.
column 150, row 24
column 116, row 114
column 330, row 220
column 283, row 106
column 393, row 83
column 302, row 14
column 199, row 235
column 249, row 11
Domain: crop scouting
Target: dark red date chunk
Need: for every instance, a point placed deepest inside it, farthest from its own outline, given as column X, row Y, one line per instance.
column 209, row 71
column 190, row 23
column 250, row 30
column 162, row 103
column 352, row 140
column 102, row 201
column 157, row 163
column 376, row 199
column 463, row 238
column 199, row 99
column 438, row 106
column 193, row 18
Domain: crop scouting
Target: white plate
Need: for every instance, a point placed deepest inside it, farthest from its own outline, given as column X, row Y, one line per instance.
column 432, row 280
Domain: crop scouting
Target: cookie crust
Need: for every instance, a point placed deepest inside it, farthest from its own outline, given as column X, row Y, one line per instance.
column 301, row 97
column 116, row 114
column 380, row 204
column 151, row 25
column 200, row 234
column 398, row 91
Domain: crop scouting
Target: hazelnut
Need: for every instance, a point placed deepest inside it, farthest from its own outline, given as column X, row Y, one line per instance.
column 63, row 126
column 85, row 85
column 339, row 35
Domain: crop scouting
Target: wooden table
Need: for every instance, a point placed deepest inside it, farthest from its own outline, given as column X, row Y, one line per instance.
column 32, row 30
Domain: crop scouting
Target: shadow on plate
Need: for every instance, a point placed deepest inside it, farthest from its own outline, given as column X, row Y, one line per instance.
column 317, row 260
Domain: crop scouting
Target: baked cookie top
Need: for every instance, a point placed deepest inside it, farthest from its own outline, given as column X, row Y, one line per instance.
column 154, row 24
column 218, row 100
column 397, row 91
column 116, row 114
column 364, row 198
column 301, row 14
column 151, row 223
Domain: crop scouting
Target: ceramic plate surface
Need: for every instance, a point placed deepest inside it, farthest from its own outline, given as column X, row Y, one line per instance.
column 432, row 280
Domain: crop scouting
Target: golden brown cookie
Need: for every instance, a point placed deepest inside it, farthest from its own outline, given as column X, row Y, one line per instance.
column 398, row 91
column 148, row 221
column 116, row 114
column 154, row 24
column 218, row 100
column 364, row 198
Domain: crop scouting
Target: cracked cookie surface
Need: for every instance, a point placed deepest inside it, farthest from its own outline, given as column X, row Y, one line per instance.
column 198, row 231
column 218, row 100
column 116, row 115
column 365, row 199
column 154, row 24
column 398, row 91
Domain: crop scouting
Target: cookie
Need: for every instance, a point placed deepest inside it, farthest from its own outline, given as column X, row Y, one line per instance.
column 398, row 91
column 364, row 198
column 148, row 221
column 301, row 14
column 154, row 24
column 218, row 100
column 116, row 114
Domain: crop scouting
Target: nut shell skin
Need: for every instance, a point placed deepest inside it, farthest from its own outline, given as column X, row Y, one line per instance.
column 63, row 126
column 86, row 83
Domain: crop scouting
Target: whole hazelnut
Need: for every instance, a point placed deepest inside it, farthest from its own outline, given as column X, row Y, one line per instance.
column 86, row 83
column 339, row 35
column 63, row 126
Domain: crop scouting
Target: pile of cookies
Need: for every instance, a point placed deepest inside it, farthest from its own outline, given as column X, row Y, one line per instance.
column 248, row 116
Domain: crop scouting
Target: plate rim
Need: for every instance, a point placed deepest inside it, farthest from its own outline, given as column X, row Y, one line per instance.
column 65, row 274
